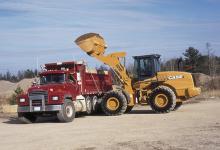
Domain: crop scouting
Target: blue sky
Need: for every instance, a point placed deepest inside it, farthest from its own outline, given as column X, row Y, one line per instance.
column 46, row 29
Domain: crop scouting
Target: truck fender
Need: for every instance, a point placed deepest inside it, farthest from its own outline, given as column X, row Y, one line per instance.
column 80, row 103
column 68, row 96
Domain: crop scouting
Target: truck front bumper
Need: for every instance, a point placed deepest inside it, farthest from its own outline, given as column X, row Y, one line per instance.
column 45, row 108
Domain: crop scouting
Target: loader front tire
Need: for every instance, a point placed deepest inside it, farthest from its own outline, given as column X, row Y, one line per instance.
column 114, row 103
column 162, row 99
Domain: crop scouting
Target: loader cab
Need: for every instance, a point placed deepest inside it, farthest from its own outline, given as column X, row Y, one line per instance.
column 146, row 66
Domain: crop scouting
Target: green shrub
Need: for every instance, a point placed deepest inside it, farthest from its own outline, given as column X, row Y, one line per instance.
column 13, row 97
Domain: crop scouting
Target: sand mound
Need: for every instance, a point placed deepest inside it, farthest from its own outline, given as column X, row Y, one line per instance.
column 206, row 82
column 7, row 88
column 201, row 79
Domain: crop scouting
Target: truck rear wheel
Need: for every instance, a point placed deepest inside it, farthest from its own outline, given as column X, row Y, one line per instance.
column 89, row 105
column 162, row 99
column 67, row 113
column 27, row 117
column 96, row 105
column 114, row 103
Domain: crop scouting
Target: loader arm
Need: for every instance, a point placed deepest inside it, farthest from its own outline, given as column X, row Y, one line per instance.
column 94, row 45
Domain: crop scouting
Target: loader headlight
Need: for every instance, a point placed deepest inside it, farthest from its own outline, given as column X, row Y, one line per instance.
column 55, row 98
column 22, row 100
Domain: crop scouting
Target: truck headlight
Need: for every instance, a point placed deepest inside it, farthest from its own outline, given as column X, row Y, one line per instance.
column 22, row 100
column 55, row 98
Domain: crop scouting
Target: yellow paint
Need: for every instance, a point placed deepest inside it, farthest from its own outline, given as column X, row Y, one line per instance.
column 112, row 103
column 180, row 82
column 161, row 100
column 94, row 45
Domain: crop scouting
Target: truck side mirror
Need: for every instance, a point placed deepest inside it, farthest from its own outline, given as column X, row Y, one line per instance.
column 34, row 83
column 72, row 79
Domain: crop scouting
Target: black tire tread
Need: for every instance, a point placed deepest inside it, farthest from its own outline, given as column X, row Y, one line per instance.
column 178, row 105
column 122, row 107
column 61, row 114
column 169, row 92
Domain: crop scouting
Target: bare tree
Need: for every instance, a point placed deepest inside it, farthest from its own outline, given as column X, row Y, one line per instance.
column 170, row 65
column 212, row 63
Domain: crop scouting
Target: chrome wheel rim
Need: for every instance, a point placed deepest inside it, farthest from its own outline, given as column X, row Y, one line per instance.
column 69, row 111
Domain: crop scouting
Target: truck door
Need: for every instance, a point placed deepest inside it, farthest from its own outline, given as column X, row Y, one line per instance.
column 72, row 85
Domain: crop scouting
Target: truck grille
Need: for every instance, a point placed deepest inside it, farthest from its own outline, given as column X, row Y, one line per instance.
column 36, row 102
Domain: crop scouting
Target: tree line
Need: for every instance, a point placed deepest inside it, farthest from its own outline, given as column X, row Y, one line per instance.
column 21, row 74
column 192, row 60
column 195, row 62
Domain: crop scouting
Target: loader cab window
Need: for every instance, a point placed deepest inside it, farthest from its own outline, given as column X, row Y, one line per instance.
column 145, row 67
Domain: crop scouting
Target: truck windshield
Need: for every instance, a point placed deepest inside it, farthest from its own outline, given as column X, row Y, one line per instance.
column 52, row 78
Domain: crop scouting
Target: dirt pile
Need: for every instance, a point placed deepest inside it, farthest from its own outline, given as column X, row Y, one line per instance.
column 206, row 82
column 7, row 88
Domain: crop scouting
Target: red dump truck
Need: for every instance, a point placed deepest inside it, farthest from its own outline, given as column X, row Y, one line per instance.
column 63, row 90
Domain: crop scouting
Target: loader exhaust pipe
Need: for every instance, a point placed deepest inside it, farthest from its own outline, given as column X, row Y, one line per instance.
column 92, row 44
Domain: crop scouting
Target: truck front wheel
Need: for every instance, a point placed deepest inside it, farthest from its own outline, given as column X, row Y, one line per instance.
column 67, row 113
column 114, row 103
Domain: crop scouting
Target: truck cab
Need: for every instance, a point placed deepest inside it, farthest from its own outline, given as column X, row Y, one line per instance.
column 64, row 89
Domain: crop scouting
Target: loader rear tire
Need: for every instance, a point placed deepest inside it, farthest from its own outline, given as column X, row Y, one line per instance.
column 67, row 113
column 162, row 99
column 178, row 104
column 114, row 103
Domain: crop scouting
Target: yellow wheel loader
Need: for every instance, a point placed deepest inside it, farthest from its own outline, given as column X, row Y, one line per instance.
column 163, row 91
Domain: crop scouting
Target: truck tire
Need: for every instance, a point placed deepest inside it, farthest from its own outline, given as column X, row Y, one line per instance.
column 96, row 105
column 129, row 108
column 27, row 117
column 162, row 99
column 178, row 104
column 67, row 113
column 89, row 105
column 114, row 103
column 94, row 102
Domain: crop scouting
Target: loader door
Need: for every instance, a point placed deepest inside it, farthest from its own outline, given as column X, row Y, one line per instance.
column 146, row 66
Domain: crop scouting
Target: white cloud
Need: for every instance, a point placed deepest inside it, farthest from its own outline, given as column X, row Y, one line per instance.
column 36, row 27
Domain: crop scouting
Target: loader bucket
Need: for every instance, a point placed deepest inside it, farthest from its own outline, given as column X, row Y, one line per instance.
column 91, row 43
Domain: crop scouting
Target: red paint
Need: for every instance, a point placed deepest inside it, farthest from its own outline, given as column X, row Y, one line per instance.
column 91, row 83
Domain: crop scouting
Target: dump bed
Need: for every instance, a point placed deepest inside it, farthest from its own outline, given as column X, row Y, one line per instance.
column 96, row 81
column 89, row 81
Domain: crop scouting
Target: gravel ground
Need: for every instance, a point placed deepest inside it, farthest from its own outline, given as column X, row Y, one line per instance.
column 193, row 126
